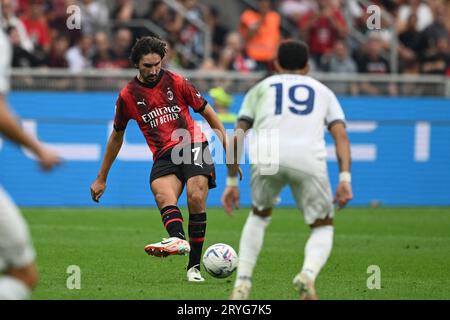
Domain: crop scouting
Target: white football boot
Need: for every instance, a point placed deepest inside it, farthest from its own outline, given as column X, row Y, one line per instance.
column 305, row 287
column 194, row 275
column 167, row 247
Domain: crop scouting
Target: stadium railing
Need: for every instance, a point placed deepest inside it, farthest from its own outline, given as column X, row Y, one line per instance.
column 44, row 79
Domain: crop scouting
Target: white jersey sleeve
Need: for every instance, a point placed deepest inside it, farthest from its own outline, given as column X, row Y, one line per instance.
column 250, row 103
column 5, row 63
column 334, row 112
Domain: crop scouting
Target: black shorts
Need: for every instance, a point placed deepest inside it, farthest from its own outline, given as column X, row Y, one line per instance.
column 176, row 161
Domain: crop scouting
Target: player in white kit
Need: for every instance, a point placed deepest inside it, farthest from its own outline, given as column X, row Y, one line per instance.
column 299, row 109
column 18, row 274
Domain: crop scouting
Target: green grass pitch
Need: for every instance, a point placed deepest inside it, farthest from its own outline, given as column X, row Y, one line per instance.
column 410, row 245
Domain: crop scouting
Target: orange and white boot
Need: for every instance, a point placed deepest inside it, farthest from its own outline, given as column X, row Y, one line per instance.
column 167, row 247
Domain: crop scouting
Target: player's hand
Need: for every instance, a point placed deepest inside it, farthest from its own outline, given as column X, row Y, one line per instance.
column 343, row 194
column 97, row 189
column 48, row 159
column 230, row 199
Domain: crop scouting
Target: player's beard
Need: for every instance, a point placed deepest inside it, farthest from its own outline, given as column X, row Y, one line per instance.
column 151, row 78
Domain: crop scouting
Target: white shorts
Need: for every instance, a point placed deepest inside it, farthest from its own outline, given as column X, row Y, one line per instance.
column 16, row 247
column 312, row 194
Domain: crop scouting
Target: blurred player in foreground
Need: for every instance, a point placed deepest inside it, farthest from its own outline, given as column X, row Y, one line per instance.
column 18, row 273
column 158, row 100
column 297, row 106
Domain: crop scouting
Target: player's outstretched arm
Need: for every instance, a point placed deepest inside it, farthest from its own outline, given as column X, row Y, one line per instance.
column 213, row 120
column 230, row 196
column 12, row 130
column 344, row 190
column 112, row 150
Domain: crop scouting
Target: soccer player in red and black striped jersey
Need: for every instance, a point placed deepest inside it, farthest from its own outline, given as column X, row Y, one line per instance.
column 158, row 100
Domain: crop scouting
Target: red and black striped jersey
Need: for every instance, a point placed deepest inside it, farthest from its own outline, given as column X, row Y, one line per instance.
column 161, row 111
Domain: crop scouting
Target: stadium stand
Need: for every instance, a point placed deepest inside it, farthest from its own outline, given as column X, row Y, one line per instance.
column 408, row 55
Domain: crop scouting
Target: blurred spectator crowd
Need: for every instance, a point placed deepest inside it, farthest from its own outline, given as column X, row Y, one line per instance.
column 40, row 37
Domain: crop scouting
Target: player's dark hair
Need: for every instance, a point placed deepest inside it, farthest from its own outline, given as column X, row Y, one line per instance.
column 293, row 54
column 146, row 45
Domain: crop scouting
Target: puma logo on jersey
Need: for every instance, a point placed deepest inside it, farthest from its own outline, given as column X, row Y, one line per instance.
column 139, row 103
column 199, row 165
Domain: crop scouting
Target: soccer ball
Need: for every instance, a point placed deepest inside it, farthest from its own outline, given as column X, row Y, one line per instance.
column 220, row 260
